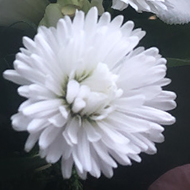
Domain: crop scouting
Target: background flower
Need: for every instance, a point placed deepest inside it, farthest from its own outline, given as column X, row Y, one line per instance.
column 92, row 99
column 143, row 5
column 170, row 11
column 179, row 14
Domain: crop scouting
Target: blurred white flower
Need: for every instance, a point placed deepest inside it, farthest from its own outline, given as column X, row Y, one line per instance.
column 142, row 5
column 179, row 14
column 92, row 99
column 30, row 11
column 170, row 11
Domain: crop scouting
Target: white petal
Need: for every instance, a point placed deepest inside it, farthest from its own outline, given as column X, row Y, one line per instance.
column 71, row 131
column 84, row 151
column 72, row 90
column 55, row 150
column 48, row 136
column 15, row 77
column 103, row 154
column 66, row 167
column 37, row 125
column 78, row 105
column 78, row 21
column 115, row 136
column 163, row 101
column 20, row 122
column 63, row 111
column 151, row 146
column 42, row 106
column 82, row 175
column 32, row 139
column 135, row 140
column 57, row 120
column 121, row 158
column 107, row 170
column 67, row 150
column 135, row 157
column 155, row 115
column 77, row 161
column 96, row 170
column 91, row 131
column 91, row 20
column 104, row 19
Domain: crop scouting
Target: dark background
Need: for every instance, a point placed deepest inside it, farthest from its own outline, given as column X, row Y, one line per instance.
column 18, row 169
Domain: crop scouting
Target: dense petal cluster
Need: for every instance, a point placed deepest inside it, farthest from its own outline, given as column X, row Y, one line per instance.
column 92, row 99
column 170, row 11
column 22, row 10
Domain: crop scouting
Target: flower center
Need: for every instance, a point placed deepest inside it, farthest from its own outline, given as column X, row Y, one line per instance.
column 91, row 93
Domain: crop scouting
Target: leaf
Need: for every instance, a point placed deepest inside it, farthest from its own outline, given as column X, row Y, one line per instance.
column 174, row 62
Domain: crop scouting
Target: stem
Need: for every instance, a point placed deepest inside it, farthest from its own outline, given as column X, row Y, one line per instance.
column 75, row 183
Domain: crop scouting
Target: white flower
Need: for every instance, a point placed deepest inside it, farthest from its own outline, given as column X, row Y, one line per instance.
column 170, row 11
column 92, row 99
column 142, row 5
column 12, row 11
column 179, row 14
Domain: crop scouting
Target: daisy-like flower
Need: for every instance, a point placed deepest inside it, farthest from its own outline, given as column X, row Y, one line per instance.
column 30, row 11
column 92, row 99
column 170, row 11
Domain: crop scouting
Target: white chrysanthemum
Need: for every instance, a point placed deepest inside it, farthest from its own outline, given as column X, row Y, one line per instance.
column 92, row 99
column 170, row 11
column 29, row 11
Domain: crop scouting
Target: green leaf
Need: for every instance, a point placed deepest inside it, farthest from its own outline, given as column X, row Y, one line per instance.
column 174, row 62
